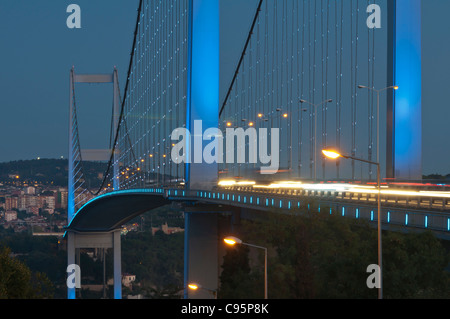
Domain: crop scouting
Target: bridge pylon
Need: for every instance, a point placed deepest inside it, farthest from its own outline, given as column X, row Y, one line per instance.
column 404, row 107
column 76, row 241
column 202, row 89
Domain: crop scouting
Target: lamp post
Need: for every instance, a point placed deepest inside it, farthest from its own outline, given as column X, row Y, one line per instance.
column 378, row 112
column 287, row 115
column 334, row 155
column 280, row 114
column 315, row 130
column 230, row 240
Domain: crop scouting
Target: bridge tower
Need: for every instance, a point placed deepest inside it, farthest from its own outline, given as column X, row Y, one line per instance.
column 404, row 112
column 201, row 260
column 75, row 153
column 75, row 240
column 203, row 89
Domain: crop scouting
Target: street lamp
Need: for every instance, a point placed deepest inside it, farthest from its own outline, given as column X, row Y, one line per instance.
column 315, row 130
column 194, row 286
column 332, row 154
column 394, row 87
column 287, row 115
column 230, row 240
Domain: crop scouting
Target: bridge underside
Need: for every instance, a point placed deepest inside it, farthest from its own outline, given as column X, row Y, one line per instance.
column 108, row 213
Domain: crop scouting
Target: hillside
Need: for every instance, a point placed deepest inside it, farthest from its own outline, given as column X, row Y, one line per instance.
column 49, row 171
column 54, row 172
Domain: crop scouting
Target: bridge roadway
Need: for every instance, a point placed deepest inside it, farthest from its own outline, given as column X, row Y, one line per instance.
column 405, row 207
column 98, row 223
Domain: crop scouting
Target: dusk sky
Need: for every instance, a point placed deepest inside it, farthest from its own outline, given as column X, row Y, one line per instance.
column 38, row 51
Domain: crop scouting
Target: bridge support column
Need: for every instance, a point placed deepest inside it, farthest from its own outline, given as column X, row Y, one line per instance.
column 201, row 264
column 76, row 241
column 71, row 292
column 117, row 265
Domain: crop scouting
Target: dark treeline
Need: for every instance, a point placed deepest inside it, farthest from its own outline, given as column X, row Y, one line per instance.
column 316, row 256
column 325, row 256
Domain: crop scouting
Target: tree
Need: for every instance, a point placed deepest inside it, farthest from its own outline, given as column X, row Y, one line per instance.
column 414, row 266
column 18, row 282
column 238, row 280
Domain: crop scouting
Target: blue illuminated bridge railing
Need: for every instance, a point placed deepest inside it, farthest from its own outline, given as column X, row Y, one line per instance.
column 420, row 213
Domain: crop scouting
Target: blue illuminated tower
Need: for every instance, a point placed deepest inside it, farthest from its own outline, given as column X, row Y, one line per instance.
column 404, row 112
column 203, row 87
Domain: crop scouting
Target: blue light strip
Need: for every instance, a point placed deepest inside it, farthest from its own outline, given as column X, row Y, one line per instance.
column 187, row 168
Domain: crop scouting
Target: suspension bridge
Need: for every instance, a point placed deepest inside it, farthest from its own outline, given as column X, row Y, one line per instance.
column 310, row 75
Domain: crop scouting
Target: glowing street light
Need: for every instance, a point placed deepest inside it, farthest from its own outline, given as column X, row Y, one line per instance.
column 333, row 154
column 194, row 287
column 231, row 240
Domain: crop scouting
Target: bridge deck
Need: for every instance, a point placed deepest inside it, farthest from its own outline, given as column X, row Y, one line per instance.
column 109, row 212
